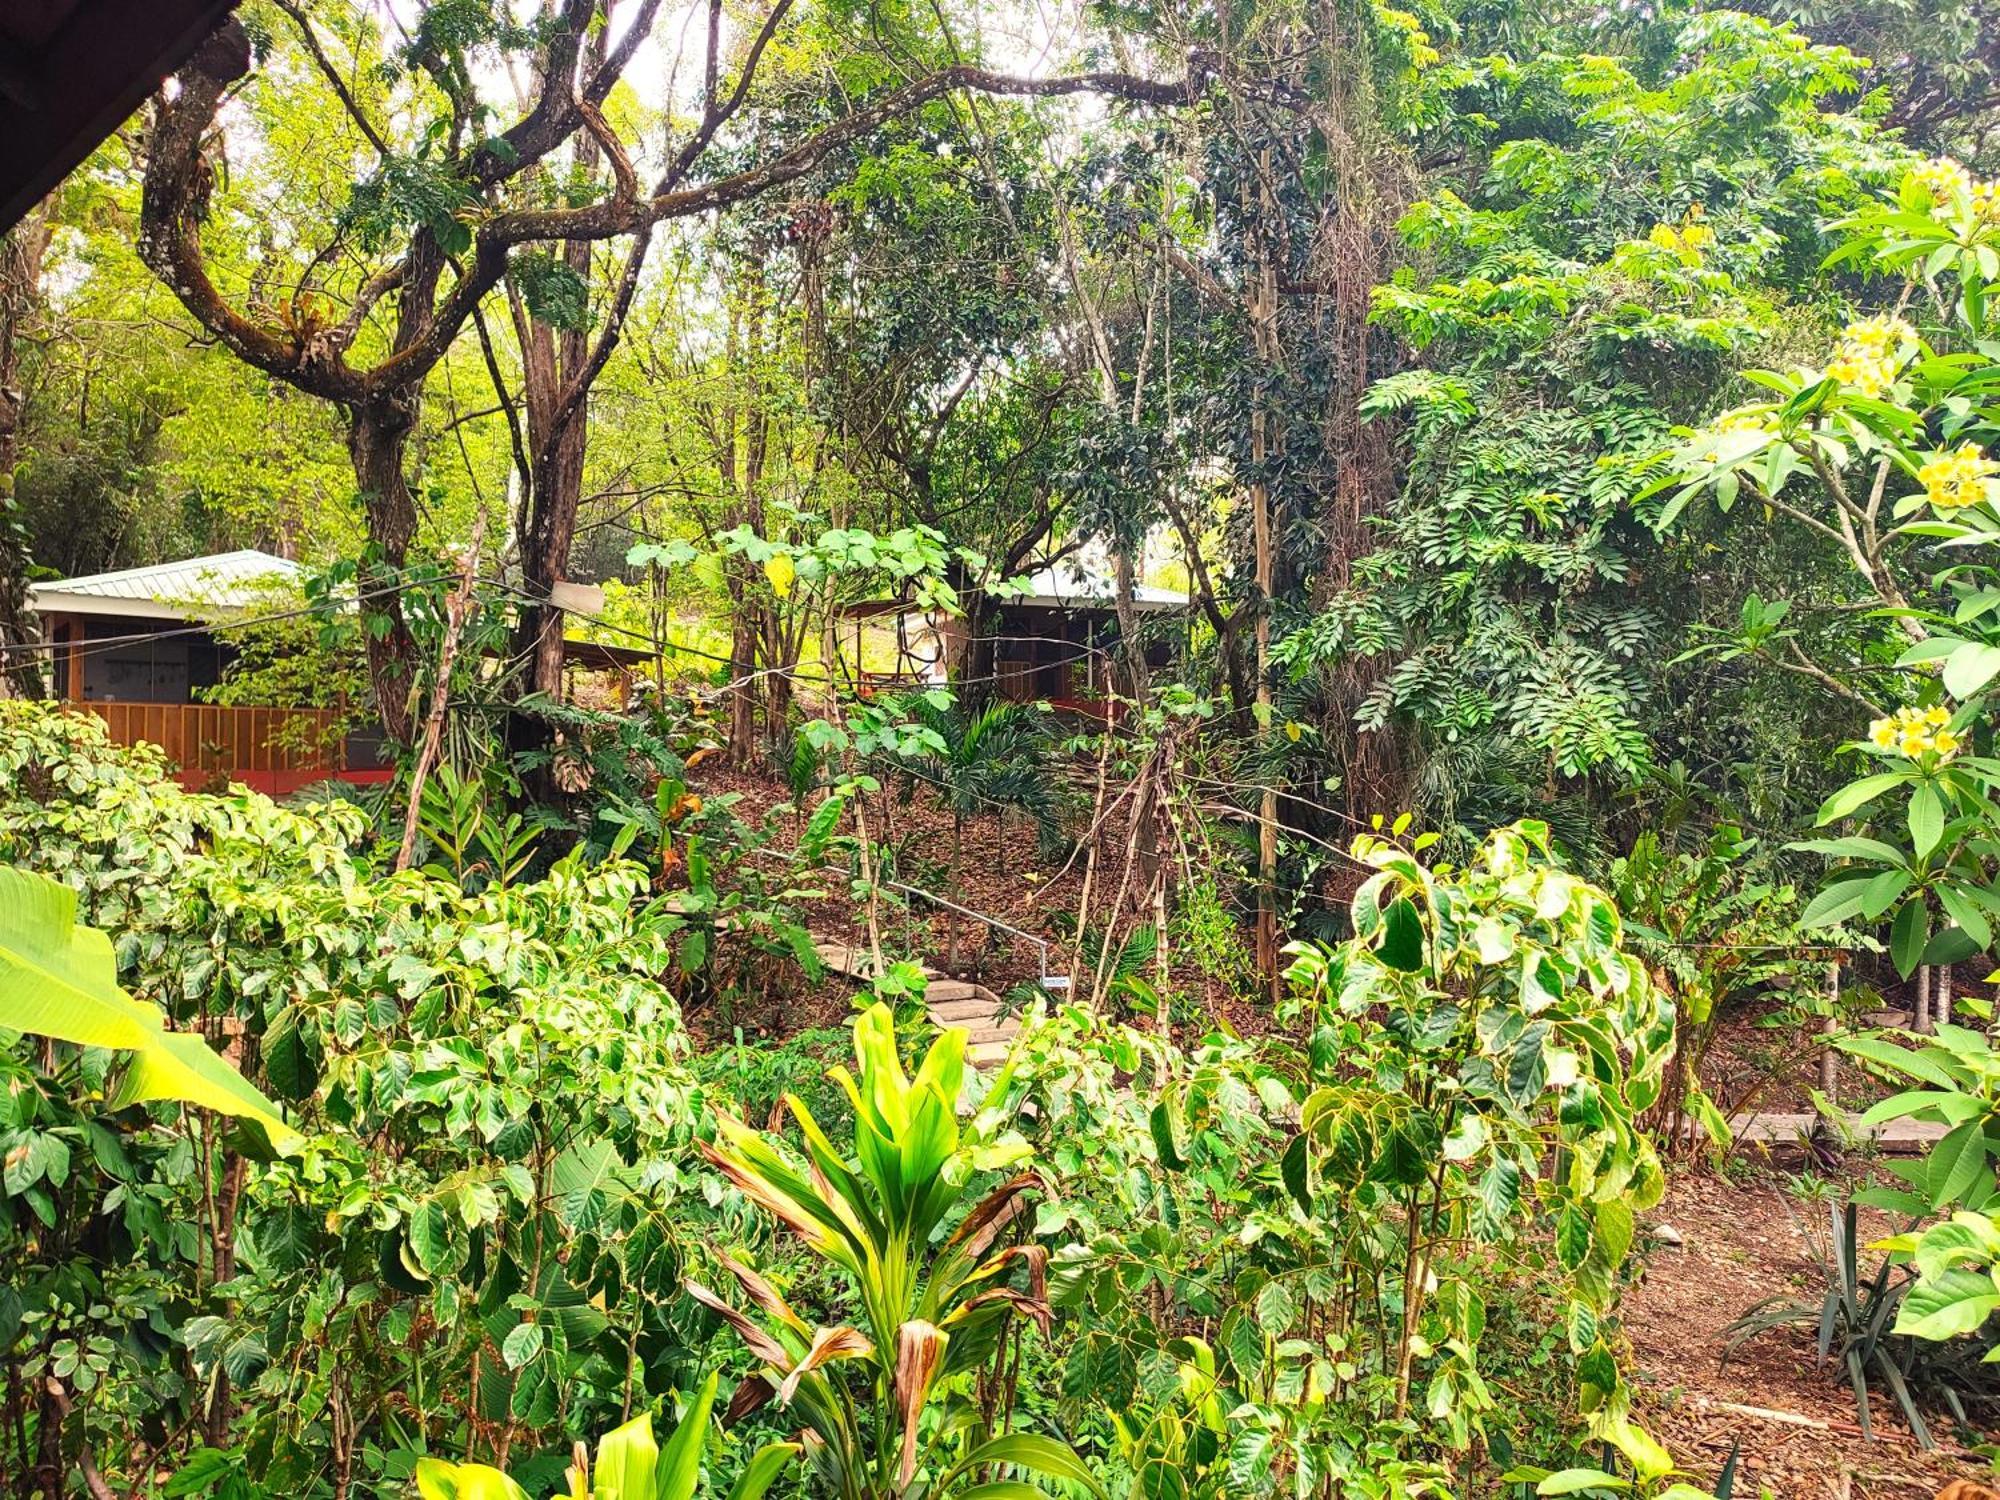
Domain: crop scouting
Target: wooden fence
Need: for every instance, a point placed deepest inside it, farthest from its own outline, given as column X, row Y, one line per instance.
column 235, row 741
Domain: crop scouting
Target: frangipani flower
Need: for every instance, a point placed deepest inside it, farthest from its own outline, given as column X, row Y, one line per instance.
column 1916, row 733
column 1962, row 477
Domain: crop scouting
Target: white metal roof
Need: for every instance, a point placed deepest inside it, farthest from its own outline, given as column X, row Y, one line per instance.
column 1067, row 586
column 172, row 590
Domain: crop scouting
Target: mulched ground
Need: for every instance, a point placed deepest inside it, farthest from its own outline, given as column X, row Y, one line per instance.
column 999, row 873
column 1743, row 1241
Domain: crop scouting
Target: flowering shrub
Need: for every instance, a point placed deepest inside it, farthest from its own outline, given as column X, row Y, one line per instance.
column 1881, row 452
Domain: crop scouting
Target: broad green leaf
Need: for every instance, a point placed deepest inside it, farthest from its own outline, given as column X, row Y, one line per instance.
column 1571, row 1481
column 1926, row 818
column 1499, row 1195
column 1572, row 1236
column 1295, row 1167
column 1908, row 934
column 1858, row 794
column 1970, row 668
column 1956, row 1164
column 680, row 1459
column 1964, row 1237
column 1970, row 919
column 438, row 1480
column 1038, row 1455
column 1943, row 1307
column 626, row 1459
column 1837, row 902
column 771, row 1460
column 1402, row 945
column 1853, row 847
column 522, row 1344
column 1162, row 1125
column 60, row 980
column 1883, row 892
column 1952, row 1107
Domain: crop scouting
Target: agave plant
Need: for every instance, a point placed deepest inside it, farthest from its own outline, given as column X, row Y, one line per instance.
column 883, row 1410
column 629, row 1466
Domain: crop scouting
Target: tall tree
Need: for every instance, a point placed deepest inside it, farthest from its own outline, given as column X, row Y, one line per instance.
column 22, row 251
column 447, row 207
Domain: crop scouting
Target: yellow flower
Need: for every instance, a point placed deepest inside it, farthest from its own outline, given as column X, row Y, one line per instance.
column 780, row 570
column 1665, row 236
column 1986, row 199
column 1743, row 421
column 1916, row 733
column 1877, row 336
column 1960, row 478
column 1942, row 178
column 1866, row 375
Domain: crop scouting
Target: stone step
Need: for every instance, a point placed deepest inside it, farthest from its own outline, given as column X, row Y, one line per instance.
column 962, row 1012
column 942, row 990
column 987, row 1054
column 1001, row 1034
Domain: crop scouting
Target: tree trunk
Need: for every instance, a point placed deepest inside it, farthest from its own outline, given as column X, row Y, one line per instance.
column 21, row 255
column 1262, row 296
column 378, row 437
column 742, row 677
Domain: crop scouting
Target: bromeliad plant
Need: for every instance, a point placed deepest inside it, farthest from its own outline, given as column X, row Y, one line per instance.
column 884, row 1401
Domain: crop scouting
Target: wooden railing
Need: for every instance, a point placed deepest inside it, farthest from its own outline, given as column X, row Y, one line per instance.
column 208, row 737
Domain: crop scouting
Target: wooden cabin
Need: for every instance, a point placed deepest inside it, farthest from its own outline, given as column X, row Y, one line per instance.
column 136, row 647
column 1053, row 643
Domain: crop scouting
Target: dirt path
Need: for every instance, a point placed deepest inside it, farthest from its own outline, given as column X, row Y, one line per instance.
column 1740, row 1243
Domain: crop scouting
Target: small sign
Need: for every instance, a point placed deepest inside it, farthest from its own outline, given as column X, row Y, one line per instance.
column 577, row 598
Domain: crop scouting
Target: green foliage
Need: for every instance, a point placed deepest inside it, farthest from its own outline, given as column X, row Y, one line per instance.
column 1363, row 1219
column 59, row 980
column 416, row 1033
column 1882, row 451
column 1719, row 930
column 885, row 1397
column 1620, row 231
column 995, row 758
column 629, row 1465
column 1958, row 1087
column 1514, row 1021
column 554, row 294
column 1860, row 1328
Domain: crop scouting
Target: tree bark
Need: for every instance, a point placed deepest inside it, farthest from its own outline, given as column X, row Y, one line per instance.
column 22, row 252
column 378, row 438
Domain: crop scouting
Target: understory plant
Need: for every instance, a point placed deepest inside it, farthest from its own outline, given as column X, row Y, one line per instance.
column 906, row 1399
column 1884, row 453
column 1297, row 1269
column 392, row 1286
column 1918, row 1322
column 1719, row 928
column 1480, row 1053
column 629, row 1465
